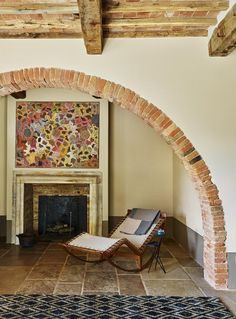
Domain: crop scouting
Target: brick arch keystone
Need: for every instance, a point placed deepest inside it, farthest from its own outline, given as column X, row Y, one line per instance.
column 215, row 263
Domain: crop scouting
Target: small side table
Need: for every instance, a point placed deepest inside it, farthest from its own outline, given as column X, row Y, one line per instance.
column 156, row 245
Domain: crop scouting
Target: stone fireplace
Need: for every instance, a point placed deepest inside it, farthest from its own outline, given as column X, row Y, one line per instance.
column 29, row 187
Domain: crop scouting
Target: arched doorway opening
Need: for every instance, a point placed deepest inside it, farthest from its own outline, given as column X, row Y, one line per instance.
column 215, row 264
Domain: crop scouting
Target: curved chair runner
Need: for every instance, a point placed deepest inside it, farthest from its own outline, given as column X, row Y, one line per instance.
column 108, row 247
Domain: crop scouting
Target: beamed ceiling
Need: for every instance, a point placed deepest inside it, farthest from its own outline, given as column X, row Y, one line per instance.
column 94, row 20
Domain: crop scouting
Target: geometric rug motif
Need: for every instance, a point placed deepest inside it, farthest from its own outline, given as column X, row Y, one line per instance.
column 111, row 307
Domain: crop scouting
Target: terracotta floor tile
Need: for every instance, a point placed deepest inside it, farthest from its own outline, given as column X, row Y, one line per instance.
column 23, row 253
column 75, row 261
column 165, row 254
column 53, row 256
column 103, row 267
column 12, row 277
column 45, row 272
column 37, row 287
column 168, row 241
column 196, row 275
column 127, row 264
column 187, row 262
column 55, row 246
column 93, row 256
column 18, row 250
column 72, row 273
column 177, row 251
column 101, row 281
column 10, row 288
column 68, row 289
column 171, row 288
column 131, row 285
column 173, row 271
column 55, row 253
column 26, row 260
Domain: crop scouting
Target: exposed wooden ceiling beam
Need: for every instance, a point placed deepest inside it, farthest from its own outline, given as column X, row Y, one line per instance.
column 29, row 34
column 125, row 28
column 38, row 17
column 162, row 21
column 169, row 5
column 167, row 32
column 91, row 24
column 43, row 25
column 223, row 40
column 55, row 24
column 22, row 7
column 40, row 35
column 31, row 26
column 26, row 2
column 70, row 6
column 83, row 18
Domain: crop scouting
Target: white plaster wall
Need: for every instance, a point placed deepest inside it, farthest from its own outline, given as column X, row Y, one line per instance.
column 195, row 90
column 140, row 165
column 186, row 206
column 2, row 155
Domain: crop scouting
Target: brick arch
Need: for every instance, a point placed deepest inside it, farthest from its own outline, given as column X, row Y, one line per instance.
column 215, row 264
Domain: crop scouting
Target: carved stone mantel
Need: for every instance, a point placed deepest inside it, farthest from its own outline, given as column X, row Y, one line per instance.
column 93, row 179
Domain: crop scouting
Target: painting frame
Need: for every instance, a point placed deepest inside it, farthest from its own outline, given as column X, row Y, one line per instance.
column 57, row 134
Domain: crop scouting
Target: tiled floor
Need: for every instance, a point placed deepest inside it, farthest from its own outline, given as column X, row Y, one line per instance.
column 47, row 269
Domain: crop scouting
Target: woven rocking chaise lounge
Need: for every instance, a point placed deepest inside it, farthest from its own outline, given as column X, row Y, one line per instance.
column 108, row 247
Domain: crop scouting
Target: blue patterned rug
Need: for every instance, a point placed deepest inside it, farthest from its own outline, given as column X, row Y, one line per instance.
column 111, row 307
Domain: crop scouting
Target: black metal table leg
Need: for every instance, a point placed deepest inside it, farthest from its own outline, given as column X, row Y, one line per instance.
column 156, row 245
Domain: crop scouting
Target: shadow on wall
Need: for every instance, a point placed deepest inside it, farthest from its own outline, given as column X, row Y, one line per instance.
column 191, row 241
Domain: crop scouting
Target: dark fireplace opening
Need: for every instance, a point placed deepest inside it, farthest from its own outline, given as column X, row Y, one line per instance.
column 62, row 216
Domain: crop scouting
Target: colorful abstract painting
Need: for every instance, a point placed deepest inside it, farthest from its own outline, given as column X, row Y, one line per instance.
column 57, row 134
